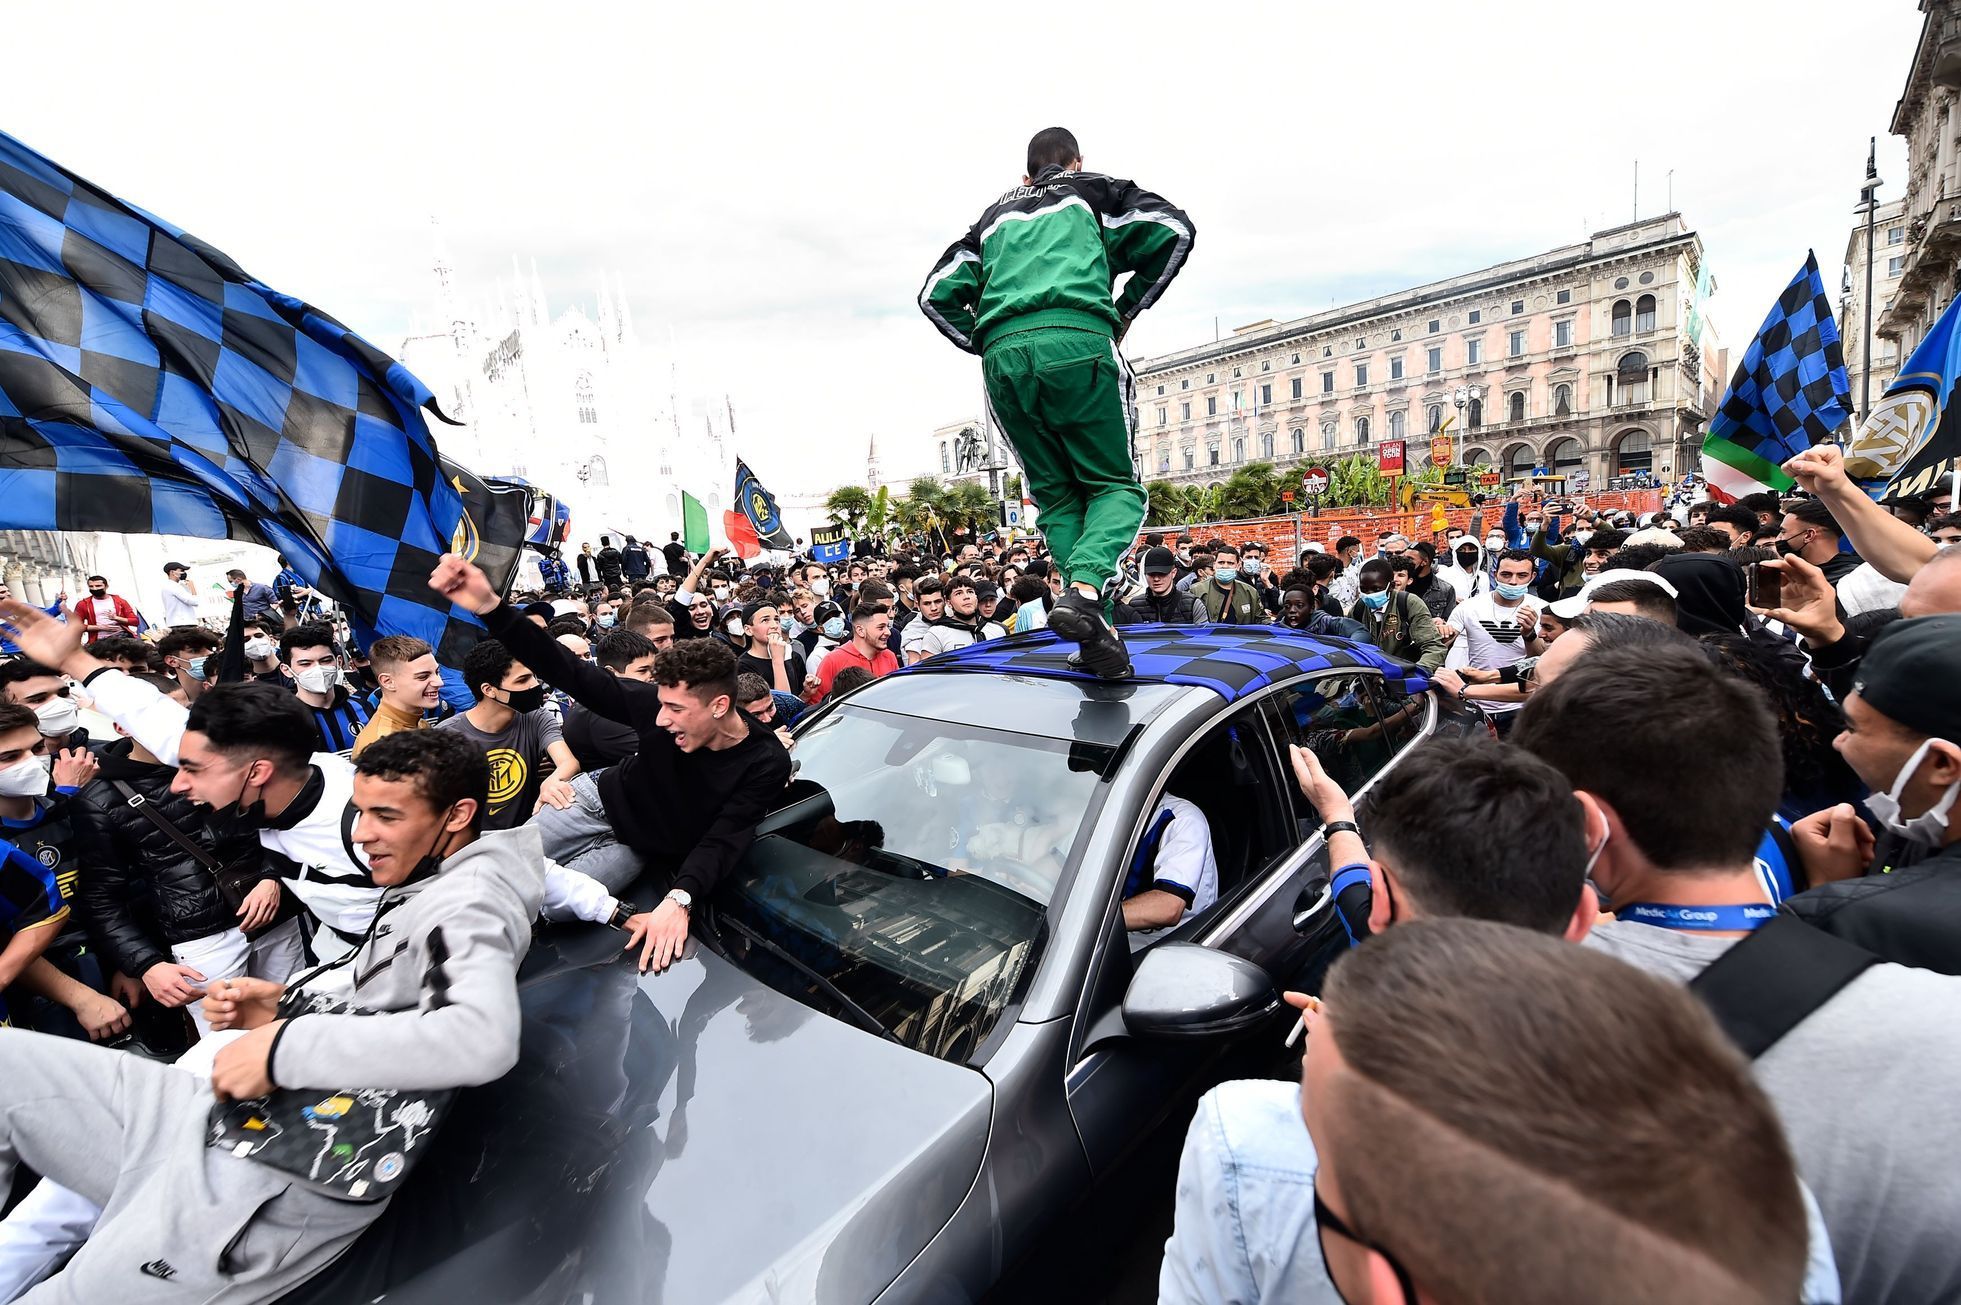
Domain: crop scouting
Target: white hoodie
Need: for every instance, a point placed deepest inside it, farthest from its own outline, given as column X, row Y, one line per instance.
column 1465, row 583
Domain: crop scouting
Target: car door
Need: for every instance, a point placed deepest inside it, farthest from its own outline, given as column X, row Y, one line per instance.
column 1118, row 1086
column 1357, row 725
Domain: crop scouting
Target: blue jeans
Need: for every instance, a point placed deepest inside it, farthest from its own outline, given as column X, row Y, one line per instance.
column 581, row 838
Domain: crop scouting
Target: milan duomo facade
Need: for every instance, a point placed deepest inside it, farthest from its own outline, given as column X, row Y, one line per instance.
column 571, row 402
column 1594, row 357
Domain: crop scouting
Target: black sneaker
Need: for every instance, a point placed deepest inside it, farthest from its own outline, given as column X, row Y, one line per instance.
column 1080, row 620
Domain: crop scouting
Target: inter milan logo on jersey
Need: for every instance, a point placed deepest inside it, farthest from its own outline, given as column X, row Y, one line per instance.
column 508, row 771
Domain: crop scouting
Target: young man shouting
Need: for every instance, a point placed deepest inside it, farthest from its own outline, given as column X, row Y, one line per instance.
column 1031, row 288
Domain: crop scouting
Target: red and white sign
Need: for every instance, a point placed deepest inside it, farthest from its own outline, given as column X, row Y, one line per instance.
column 1286, row 496
column 1389, row 457
column 1315, row 480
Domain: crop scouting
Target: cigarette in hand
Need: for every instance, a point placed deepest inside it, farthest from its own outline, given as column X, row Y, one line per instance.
column 1299, row 1031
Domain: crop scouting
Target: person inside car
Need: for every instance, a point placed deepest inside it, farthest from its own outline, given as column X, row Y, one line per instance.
column 1173, row 874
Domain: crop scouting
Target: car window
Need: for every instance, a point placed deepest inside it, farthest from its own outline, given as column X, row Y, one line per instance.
column 1400, row 712
column 1338, row 717
column 904, row 884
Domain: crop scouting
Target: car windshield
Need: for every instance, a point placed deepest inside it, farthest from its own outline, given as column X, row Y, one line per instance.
column 905, row 883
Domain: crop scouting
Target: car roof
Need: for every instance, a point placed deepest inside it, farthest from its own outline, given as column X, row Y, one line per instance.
column 1233, row 661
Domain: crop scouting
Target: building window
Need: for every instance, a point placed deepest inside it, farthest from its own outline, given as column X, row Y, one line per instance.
column 1185, row 384
column 1361, row 430
column 1327, row 434
column 1185, row 411
column 1562, row 400
column 1562, row 335
column 1211, row 378
column 1517, row 401
column 1266, row 445
column 1297, row 387
column 1160, row 389
column 1235, row 373
column 1623, row 316
column 1896, row 235
column 1632, row 453
column 1517, row 343
column 1632, row 373
column 1327, row 351
column 1563, row 297
column 1361, row 342
column 1239, row 450
column 1212, row 455
column 1164, row 416
column 1239, row 400
column 1361, row 375
column 1211, row 405
column 946, row 460
column 1435, row 360
column 1518, row 306
column 588, row 410
column 1189, row 459
column 1396, row 368
column 1266, row 364
column 1327, row 382
column 1896, row 265
column 1644, row 313
column 1647, row 278
column 1473, row 352
column 1297, row 360
column 1266, row 395
column 1476, row 418
column 1477, row 315
column 1300, row 440
column 1395, row 337
column 1396, row 420
column 1164, row 461
column 1620, row 283
column 1436, row 417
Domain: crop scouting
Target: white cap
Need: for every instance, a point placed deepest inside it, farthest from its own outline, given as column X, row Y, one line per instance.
column 1627, row 573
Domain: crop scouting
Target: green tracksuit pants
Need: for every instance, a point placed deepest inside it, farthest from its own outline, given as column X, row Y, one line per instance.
column 1066, row 403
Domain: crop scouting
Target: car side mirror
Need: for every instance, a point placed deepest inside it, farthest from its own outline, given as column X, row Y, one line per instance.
column 1183, row 990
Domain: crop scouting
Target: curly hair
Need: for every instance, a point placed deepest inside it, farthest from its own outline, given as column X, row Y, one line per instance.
column 705, row 667
column 1815, row 775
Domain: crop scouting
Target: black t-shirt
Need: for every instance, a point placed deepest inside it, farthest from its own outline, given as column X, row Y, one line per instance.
column 596, row 741
column 762, row 666
column 677, row 558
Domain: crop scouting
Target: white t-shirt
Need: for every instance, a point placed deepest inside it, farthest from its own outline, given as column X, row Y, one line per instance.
column 179, row 604
column 1184, row 863
column 1488, row 637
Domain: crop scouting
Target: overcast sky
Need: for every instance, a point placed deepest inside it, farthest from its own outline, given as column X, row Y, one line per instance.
column 773, row 182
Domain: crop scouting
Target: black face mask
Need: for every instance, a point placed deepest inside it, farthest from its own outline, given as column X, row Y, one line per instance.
column 238, row 817
column 525, row 701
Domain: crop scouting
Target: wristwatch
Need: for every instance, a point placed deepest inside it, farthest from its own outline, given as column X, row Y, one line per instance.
column 623, row 911
column 1334, row 827
column 682, row 898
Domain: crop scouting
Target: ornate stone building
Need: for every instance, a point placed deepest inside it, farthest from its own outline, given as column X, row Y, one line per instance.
column 1591, row 357
column 1927, row 116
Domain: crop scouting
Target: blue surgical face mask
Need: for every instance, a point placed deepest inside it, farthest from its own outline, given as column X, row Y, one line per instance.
column 1513, row 592
column 606, row 621
column 195, row 667
column 1375, row 602
column 834, row 628
column 1249, row 567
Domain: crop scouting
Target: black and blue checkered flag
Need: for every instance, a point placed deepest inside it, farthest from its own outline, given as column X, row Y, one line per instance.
column 148, row 385
column 1788, row 393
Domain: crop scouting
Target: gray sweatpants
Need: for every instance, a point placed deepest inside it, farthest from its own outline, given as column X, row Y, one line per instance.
column 181, row 1222
column 581, row 838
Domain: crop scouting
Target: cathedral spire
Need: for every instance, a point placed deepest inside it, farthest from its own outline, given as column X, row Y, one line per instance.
column 871, row 465
column 446, row 286
column 538, row 296
column 627, row 336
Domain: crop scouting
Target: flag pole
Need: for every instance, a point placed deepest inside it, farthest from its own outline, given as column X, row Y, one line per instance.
column 1869, row 199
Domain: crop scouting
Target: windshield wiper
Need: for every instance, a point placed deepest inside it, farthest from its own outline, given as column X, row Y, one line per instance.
column 863, row 1018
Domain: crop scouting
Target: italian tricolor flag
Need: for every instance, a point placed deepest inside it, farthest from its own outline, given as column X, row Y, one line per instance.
column 1734, row 471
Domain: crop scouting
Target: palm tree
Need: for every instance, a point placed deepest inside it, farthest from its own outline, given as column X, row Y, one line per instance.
column 969, row 504
column 1251, row 491
column 1165, row 503
column 849, row 506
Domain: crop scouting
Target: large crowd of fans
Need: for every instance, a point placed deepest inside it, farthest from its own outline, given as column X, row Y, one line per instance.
column 1648, row 993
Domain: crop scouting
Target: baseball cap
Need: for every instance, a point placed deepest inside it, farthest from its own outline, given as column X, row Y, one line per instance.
column 1628, row 573
column 1907, row 675
column 1160, row 561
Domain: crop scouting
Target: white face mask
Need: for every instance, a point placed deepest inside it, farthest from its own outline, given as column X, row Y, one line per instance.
column 1930, row 826
column 721, row 592
column 25, row 778
column 259, row 649
column 820, row 586
column 734, row 626
column 318, row 679
column 59, row 717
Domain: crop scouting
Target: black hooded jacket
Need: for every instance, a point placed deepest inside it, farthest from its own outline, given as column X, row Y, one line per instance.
column 143, row 892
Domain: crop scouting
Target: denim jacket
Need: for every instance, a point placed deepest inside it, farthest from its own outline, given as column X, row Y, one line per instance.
column 1244, row 1225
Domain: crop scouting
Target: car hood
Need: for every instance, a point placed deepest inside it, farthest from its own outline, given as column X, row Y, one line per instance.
column 688, row 1137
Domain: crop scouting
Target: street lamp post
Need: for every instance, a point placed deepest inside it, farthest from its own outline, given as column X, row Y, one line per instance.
column 1869, row 205
column 1465, row 396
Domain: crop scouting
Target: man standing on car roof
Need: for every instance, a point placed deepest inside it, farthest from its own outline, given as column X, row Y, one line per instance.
column 1029, row 288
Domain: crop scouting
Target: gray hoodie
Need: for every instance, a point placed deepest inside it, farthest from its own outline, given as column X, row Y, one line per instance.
column 434, row 985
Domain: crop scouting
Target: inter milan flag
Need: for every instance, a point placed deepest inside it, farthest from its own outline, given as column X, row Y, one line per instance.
column 1789, row 393
column 1910, row 443
column 829, row 544
column 148, row 385
column 495, row 523
column 759, row 505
